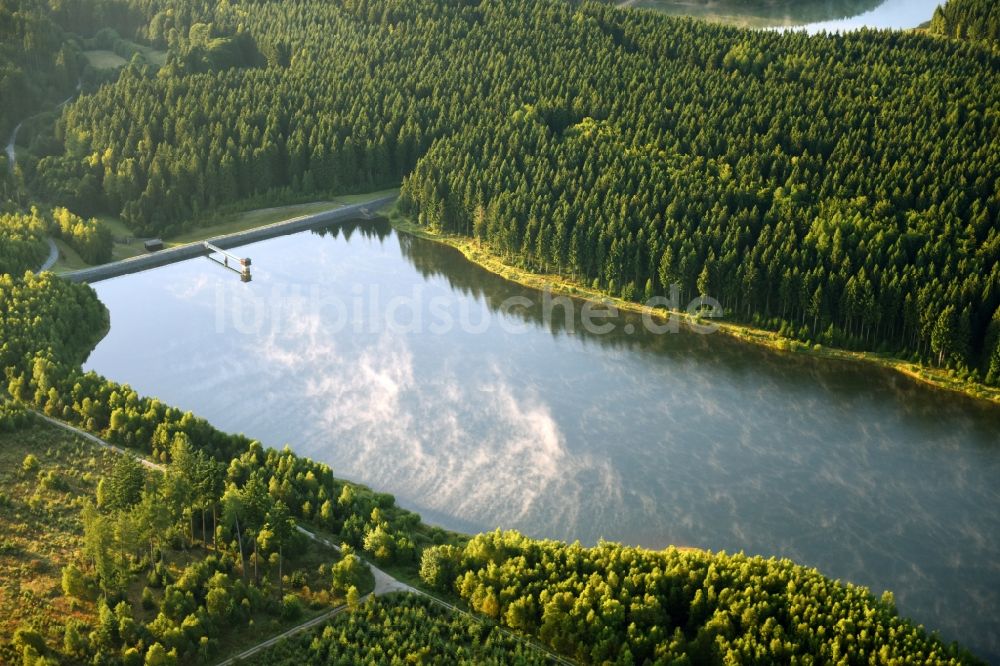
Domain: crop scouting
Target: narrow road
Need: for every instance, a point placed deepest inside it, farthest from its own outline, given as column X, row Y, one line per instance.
column 12, row 162
column 52, row 258
column 387, row 584
column 11, row 150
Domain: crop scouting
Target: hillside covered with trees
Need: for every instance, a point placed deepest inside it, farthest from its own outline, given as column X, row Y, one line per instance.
column 841, row 190
column 38, row 63
column 174, row 565
column 838, row 189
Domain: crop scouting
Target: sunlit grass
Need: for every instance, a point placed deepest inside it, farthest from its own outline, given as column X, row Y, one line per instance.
column 40, row 528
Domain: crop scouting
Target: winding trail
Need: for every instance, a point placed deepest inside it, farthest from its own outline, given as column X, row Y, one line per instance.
column 52, row 258
column 385, row 583
column 11, row 150
column 12, row 144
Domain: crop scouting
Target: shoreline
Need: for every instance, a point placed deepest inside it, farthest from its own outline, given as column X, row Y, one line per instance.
column 938, row 379
column 227, row 241
column 385, row 206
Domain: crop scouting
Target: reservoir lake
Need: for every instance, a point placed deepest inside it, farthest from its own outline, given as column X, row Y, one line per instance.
column 407, row 368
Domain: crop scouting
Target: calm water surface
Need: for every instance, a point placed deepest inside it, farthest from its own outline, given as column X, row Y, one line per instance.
column 832, row 15
column 522, row 423
column 895, row 14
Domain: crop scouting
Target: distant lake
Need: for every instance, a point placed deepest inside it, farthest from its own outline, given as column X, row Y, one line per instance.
column 510, row 418
column 812, row 16
column 895, row 14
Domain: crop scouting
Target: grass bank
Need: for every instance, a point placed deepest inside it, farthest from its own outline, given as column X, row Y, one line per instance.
column 40, row 529
column 938, row 378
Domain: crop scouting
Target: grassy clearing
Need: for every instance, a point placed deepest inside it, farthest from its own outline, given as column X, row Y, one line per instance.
column 106, row 60
column 480, row 256
column 41, row 532
column 70, row 260
column 102, row 59
column 152, row 56
column 40, row 528
column 116, row 225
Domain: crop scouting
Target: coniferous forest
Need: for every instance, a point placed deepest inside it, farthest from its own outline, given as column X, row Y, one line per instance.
column 838, row 189
column 234, row 504
column 841, row 190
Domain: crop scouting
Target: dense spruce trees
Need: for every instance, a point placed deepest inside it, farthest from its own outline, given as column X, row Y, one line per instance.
column 38, row 63
column 619, row 604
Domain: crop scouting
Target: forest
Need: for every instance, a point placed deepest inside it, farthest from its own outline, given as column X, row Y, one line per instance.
column 176, row 563
column 398, row 630
column 22, row 242
column 968, row 19
column 130, row 574
column 838, row 190
column 39, row 64
column 618, row 604
column 22, row 238
column 842, row 190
